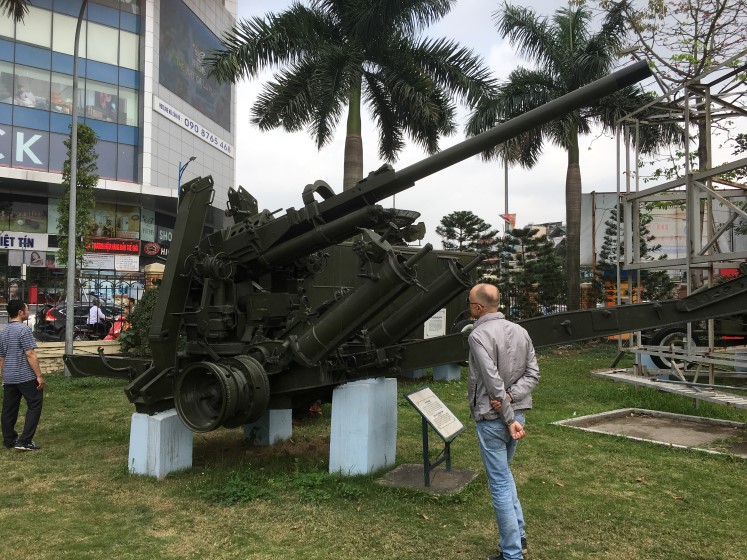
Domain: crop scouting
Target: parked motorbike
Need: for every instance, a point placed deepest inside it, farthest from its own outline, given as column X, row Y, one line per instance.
column 119, row 325
column 99, row 331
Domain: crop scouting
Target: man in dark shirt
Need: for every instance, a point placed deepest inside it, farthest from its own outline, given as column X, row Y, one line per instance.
column 21, row 378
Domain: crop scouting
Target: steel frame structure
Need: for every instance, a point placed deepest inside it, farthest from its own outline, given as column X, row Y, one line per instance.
column 711, row 101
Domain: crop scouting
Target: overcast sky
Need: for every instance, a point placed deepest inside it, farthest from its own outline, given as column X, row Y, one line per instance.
column 276, row 166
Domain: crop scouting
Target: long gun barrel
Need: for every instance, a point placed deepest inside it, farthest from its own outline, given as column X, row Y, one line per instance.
column 371, row 190
column 277, row 240
column 271, row 317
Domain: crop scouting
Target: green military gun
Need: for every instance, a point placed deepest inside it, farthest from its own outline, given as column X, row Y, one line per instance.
column 263, row 327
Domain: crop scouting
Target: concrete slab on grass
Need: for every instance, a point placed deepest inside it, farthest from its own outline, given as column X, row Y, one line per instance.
column 676, row 430
column 442, row 481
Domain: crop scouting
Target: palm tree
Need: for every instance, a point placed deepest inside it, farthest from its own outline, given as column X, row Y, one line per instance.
column 567, row 56
column 16, row 9
column 334, row 54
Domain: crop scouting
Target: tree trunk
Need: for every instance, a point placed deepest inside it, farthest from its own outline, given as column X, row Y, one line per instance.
column 573, row 225
column 353, row 165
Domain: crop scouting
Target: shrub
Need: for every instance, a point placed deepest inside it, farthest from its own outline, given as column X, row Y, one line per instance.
column 134, row 341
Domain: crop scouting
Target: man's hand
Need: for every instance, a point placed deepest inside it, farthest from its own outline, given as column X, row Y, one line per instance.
column 496, row 405
column 40, row 384
column 516, row 430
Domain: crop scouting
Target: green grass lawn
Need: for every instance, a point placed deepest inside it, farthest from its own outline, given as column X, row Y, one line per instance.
column 584, row 495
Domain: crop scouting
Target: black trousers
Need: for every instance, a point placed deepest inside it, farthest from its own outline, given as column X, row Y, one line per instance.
column 12, row 404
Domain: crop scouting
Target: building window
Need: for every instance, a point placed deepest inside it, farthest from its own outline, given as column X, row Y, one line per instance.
column 6, row 27
column 63, row 38
column 31, row 88
column 102, row 101
column 128, row 107
column 6, row 82
column 104, row 43
column 36, row 28
column 129, row 49
column 61, row 98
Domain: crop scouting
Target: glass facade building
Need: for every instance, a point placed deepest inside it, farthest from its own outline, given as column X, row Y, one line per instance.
column 143, row 89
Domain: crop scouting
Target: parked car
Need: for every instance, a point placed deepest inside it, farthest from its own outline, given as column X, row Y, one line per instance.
column 50, row 320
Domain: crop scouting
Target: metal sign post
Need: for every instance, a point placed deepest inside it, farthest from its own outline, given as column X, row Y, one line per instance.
column 436, row 415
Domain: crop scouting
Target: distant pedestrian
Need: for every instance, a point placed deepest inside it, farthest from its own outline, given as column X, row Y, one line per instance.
column 21, row 378
column 130, row 306
column 503, row 372
column 95, row 315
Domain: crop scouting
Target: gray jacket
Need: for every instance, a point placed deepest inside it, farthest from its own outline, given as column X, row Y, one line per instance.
column 501, row 361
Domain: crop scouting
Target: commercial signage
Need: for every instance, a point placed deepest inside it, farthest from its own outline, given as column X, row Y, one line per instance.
column 26, row 148
column 164, row 235
column 184, row 43
column 190, row 125
column 121, row 246
column 151, row 249
column 127, row 263
column 21, row 241
column 147, row 224
column 98, row 261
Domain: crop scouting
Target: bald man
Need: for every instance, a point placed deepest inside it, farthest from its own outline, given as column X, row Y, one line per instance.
column 503, row 372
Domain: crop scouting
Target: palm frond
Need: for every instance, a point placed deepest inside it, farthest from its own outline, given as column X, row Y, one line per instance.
column 454, row 68
column 16, row 9
column 371, row 20
column 530, row 34
column 422, row 108
column 654, row 134
column 287, row 100
column 391, row 138
column 259, row 43
column 600, row 54
column 333, row 74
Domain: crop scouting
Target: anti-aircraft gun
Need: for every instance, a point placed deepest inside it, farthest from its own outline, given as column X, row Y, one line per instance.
column 254, row 338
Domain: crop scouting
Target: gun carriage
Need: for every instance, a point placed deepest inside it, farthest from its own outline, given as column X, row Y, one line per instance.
column 256, row 335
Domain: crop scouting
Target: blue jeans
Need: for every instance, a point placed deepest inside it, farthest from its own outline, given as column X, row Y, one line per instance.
column 497, row 449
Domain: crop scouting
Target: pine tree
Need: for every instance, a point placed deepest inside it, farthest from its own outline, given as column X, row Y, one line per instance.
column 85, row 201
column 464, row 231
column 535, row 283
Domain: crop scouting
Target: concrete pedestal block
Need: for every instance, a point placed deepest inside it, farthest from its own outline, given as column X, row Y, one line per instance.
column 159, row 444
column 364, row 426
column 415, row 373
column 274, row 426
column 447, row 372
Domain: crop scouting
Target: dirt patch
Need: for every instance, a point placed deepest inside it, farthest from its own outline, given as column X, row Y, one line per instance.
column 677, row 430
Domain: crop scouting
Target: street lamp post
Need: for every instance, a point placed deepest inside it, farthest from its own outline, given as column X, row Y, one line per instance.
column 71, row 230
column 179, row 179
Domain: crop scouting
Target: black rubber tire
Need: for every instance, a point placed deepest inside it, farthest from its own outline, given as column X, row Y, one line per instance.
column 671, row 336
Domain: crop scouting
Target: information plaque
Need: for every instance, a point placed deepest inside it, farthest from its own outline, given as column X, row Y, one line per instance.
column 436, row 415
column 435, row 412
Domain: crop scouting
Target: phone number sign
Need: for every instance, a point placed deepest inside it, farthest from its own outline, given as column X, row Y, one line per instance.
column 187, row 123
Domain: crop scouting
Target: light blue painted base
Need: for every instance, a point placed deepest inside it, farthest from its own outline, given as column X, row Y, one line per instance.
column 364, row 426
column 159, row 444
column 447, row 372
column 415, row 373
column 274, row 426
